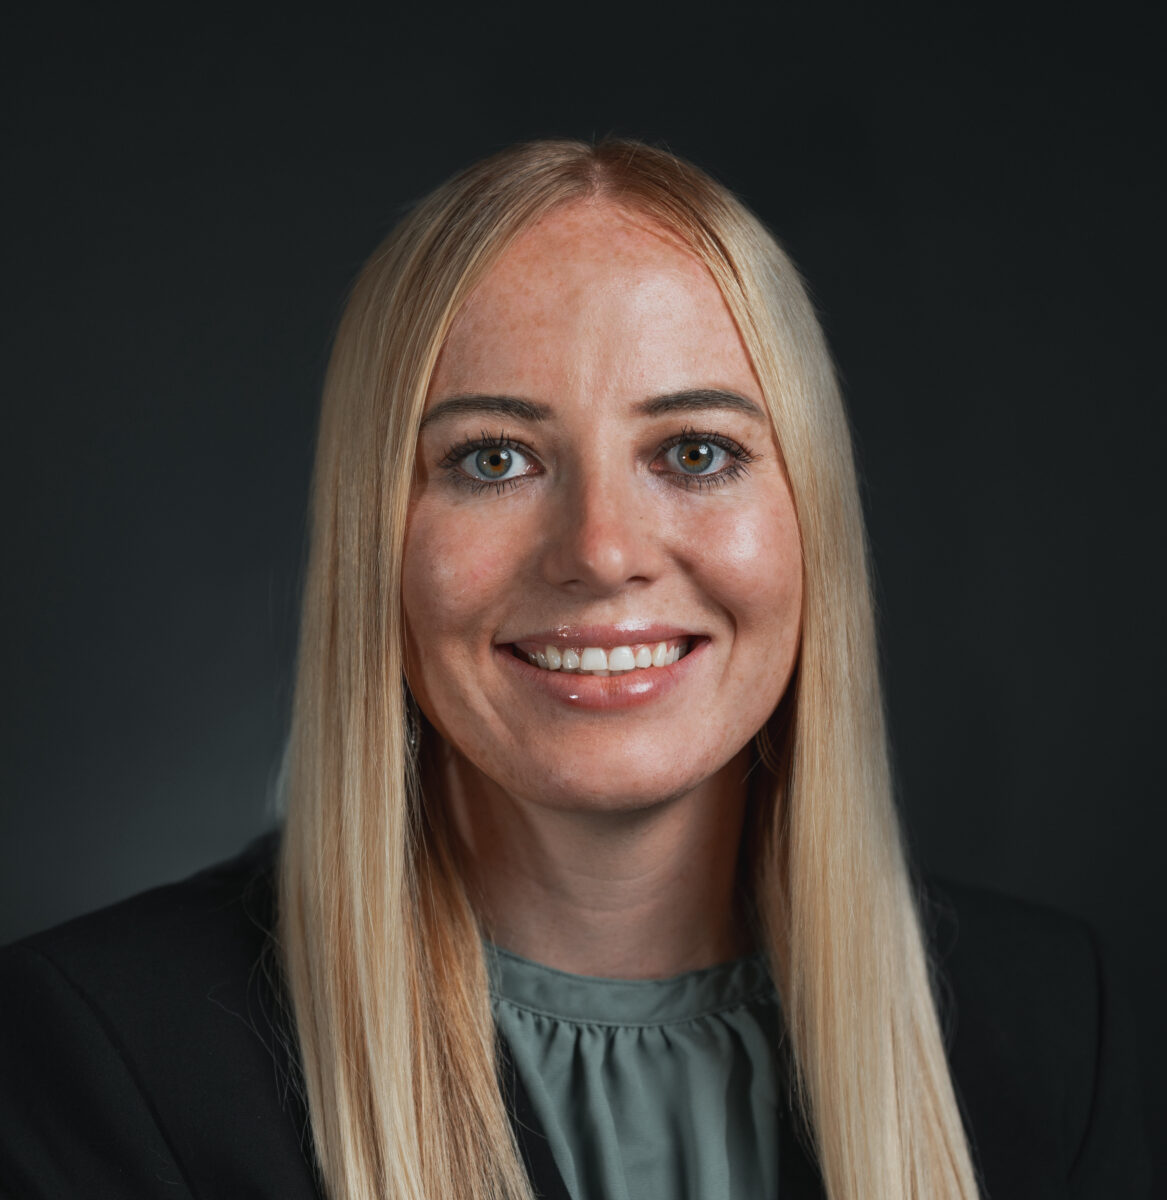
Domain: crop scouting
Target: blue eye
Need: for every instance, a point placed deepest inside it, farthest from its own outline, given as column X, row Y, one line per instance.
column 698, row 456
column 697, row 460
column 495, row 464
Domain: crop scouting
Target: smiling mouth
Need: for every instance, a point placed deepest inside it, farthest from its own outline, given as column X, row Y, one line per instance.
column 596, row 660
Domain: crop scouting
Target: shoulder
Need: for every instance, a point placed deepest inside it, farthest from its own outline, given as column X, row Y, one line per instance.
column 142, row 1048
column 1014, row 974
column 1040, row 1045
column 168, row 936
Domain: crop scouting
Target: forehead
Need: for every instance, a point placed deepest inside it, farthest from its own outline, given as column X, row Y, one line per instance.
column 592, row 238
column 594, row 292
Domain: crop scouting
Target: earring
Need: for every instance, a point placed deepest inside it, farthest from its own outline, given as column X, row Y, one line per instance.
column 412, row 722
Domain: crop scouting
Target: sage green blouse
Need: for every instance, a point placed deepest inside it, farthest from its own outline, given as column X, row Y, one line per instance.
column 648, row 1089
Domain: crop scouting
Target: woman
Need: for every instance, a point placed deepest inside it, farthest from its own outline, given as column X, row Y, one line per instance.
column 587, row 713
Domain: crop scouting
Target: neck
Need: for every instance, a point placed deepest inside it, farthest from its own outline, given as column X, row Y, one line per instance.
column 643, row 894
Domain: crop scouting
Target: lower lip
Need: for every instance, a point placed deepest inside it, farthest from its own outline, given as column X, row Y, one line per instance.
column 629, row 689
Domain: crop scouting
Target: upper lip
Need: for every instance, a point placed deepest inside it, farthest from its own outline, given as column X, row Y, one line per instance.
column 605, row 636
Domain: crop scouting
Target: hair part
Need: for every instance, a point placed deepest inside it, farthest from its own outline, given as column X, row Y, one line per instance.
column 380, row 945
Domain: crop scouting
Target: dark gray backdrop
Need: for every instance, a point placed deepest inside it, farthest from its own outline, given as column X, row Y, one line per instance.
column 976, row 200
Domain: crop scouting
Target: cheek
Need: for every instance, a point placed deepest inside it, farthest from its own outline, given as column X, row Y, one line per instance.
column 441, row 589
column 750, row 565
column 454, row 582
column 443, row 586
column 751, row 560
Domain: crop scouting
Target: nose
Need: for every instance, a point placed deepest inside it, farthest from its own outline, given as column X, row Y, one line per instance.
column 600, row 538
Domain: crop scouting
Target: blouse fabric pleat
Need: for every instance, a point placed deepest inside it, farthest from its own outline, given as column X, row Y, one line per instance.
column 648, row 1088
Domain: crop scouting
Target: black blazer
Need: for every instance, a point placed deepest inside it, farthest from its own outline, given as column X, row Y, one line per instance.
column 144, row 1053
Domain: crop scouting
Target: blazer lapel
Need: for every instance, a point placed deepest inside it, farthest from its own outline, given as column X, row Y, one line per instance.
column 798, row 1172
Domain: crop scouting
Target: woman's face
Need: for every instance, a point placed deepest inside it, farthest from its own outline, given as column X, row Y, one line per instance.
column 598, row 489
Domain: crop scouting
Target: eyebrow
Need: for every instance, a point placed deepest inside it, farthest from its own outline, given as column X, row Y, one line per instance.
column 498, row 406
column 699, row 398
column 692, row 400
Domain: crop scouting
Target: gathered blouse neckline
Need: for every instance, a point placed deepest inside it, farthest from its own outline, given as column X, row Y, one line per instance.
column 596, row 1000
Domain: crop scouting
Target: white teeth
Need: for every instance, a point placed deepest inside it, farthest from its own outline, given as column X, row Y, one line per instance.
column 593, row 659
column 621, row 658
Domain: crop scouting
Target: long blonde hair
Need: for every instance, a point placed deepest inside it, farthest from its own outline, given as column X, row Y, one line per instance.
column 380, row 947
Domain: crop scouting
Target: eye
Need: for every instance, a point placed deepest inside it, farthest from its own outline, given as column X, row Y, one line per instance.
column 489, row 462
column 492, row 464
column 698, row 460
column 698, row 456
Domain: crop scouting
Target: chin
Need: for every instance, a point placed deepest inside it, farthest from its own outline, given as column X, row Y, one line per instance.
column 613, row 787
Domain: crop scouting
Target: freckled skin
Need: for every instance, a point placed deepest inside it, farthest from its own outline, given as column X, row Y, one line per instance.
column 589, row 312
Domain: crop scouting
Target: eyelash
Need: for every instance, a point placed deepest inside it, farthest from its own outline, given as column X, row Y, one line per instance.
column 741, row 457
column 739, row 466
column 453, row 457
